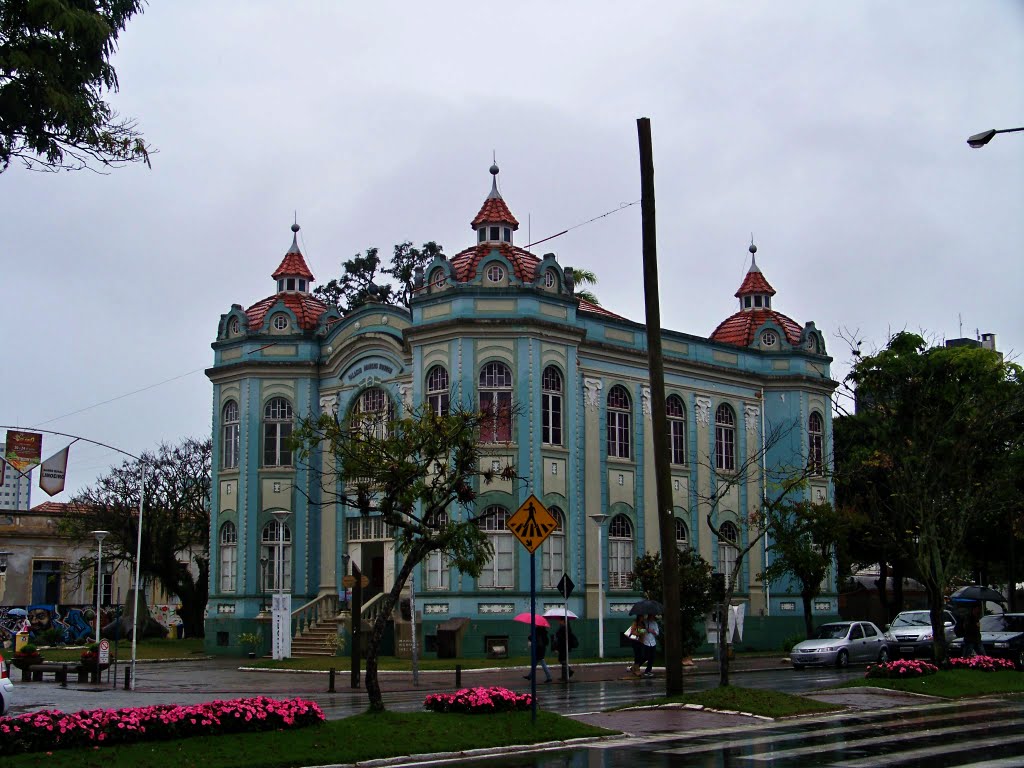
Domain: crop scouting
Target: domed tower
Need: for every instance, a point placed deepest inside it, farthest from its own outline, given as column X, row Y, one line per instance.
column 293, row 280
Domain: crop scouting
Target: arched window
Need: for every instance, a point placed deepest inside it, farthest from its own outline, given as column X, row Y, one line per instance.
column 276, row 547
column 682, row 536
column 552, row 553
column 727, row 552
column 676, row 429
column 435, row 567
column 228, row 557
column 725, row 438
column 620, row 553
column 277, row 428
column 437, row 390
column 373, row 410
column 229, row 444
column 815, row 437
column 620, row 424
column 551, row 406
column 497, row 574
column 496, row 402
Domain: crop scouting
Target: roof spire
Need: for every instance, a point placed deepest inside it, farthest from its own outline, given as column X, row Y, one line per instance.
column 753, row 255
column 295, row 235
column 494, row 181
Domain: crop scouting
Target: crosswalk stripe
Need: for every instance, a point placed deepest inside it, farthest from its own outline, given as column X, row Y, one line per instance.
column 947, row 750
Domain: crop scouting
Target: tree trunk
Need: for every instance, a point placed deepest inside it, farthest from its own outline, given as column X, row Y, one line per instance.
column 882, row 585
column 808, row 619
column 373, row 644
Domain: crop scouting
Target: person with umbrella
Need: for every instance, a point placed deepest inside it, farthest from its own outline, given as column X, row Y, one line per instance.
column 972, row 633
column 635, row 635
column 649, row 639
column 646, row 630
column 565, row 641
column 542, row 644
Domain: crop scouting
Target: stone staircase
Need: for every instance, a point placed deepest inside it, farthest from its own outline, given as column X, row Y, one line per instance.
column 316, row 640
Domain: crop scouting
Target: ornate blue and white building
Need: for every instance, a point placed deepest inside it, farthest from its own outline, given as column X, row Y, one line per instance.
column 497, row 326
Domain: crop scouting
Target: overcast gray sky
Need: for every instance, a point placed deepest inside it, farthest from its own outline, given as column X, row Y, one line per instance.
column 834, row 132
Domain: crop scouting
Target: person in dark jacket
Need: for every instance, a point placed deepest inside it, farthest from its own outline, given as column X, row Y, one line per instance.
column 542, row 649
column 565, row 641
column 972, row 633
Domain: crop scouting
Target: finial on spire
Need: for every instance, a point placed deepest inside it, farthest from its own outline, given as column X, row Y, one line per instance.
column 753, row 254
column 494, row 179
column 295, row 236
column 295, row 225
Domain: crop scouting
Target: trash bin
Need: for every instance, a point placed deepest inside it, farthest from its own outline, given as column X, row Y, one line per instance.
column 448, row 636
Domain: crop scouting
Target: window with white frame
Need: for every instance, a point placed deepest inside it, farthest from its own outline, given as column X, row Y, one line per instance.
column 437, row 390
column 373, row 410
column 682, row 536
column 727, row 551
column 228, row 557
column 369, row 528
column 620, row 423
column 725, row 438
column 552, row 552
column 496, row 403
column 435, row 566
column 495, row 272
column 676, row 413
column 277, row 428
column 497, row 574
column 620, row 553
column 815, row 439
column 229, row 445
column 276, row 547
column 551, row 406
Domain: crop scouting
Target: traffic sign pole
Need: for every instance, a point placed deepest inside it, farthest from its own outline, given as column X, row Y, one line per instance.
column 533, row 637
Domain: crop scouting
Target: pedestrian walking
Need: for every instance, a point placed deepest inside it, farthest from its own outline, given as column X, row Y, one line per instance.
column 635, row 635
column 538, row 654
column 650, row 643
column 972, row 633
column 565, row 641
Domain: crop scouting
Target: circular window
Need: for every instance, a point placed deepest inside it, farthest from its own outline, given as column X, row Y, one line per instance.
column 236, row 327
column 549, row 279
column 280, row 322
column 769, row 339
column 439, row 279
column 495, row 273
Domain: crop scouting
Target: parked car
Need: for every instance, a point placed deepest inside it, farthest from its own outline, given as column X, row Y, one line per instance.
column 1002, row 635
column 912, row 631
column 841, row 642
column 6, row 686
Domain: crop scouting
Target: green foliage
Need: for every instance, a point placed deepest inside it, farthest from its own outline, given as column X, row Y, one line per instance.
column 54, row 71
column 361, row 277
column 790, row 641
column 585, row 277
column 250, row 639
column 694, row 591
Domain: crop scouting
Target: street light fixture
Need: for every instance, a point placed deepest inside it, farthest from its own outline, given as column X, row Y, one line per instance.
column 981, row 139
column 100, row 536
column 599, row 518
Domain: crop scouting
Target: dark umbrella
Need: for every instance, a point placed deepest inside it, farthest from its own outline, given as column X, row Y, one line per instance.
column 974, row 594
column 645, row 607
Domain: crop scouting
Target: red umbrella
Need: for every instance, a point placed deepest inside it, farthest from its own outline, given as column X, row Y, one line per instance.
column 540, row 621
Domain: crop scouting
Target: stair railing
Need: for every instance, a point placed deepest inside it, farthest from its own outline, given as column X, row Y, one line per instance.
column 321, row 608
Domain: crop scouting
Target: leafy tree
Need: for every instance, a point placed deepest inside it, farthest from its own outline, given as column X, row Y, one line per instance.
column 806, row 537
column 412, row 471
column 361, row 277
column 585, row 277
column 695, row 586
column 943, row 424
column 175, row 523
column 54, row 71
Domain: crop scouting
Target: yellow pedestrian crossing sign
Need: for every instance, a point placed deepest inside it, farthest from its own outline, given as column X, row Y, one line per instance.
column 532, row 523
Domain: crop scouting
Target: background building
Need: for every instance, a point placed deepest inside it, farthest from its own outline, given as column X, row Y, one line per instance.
column 500, row 329
column 16, row 489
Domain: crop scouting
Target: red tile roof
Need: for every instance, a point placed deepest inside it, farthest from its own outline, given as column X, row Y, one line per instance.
column 494, row 210
column 586, row 306
column 307, row 309
column 741, row 327
column 465, row 263
column 753, row 283
column 293, row 265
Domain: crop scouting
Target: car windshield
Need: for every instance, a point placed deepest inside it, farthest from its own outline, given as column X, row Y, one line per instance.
column 1002, row 623
column 915, row 619
column 832, row 631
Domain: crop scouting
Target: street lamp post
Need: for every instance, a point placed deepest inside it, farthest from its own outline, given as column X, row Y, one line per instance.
column 599, row 518
column 979, row 140
column 281, row 613
column 100, row 536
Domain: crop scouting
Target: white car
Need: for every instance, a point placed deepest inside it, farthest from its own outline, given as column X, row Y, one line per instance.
column 839, row 643
column 6, row 686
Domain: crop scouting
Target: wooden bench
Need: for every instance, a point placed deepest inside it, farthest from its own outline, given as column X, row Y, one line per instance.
column 59, row 669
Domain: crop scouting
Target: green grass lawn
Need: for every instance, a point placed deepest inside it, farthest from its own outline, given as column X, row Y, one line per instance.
column 362, row 737
column 146, row 649
column 754, row 701
column 950, row 683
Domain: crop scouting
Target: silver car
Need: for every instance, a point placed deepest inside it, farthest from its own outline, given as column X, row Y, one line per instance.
column 913, row 633
column 841, row 643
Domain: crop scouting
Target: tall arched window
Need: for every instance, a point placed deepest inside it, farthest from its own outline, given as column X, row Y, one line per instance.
column 497, row 574
column 682, row 535
column 815, row 437
column 725, row 438
column 228, row 557
column 373, row 410
column 620, row 553
column 276, row 547
column 496, row 401
column 435, row 566
column 676, row 429
column 277, row 428
column 552, row 552
column 551, row 406
column 437, row 390
column 229, row 443
column 726, row 551
column 620, row 423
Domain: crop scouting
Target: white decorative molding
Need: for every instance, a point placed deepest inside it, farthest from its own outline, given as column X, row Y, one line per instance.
column 593, row 396
column 645, row 400
column 751, row 415
column 329, row 403
column 702, row 405
column 822, row 605
column 384, row 319
column 435, row 608
column 405, row 393
column 622, row 608
column 356, row 325
column 496, row 607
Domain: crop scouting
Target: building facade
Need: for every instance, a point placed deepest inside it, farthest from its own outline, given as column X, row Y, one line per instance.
column 16, row 488
column 500, row 329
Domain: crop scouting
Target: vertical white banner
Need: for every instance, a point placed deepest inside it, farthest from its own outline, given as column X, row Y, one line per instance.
column 281, row 625
column 741, row 611
column 53, row 472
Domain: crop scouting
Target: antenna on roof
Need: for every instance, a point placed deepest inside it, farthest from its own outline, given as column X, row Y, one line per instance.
column 960, row 319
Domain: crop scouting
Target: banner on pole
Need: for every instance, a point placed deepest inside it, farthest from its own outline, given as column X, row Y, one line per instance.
column 24, row 450
column 53, row 472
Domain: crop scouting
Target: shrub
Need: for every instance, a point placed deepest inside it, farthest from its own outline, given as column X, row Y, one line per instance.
column 476, row 701
column 901, row 669
column 789, row 642
column 980, row 663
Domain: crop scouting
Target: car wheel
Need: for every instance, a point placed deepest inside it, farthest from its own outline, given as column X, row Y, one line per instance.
column 883, row 655
column 842, row 659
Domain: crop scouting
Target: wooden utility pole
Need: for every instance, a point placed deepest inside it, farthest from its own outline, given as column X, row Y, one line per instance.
column 671, row 620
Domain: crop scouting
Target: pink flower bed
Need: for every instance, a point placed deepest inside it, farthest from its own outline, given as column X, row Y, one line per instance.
column 901, row 669
column 53, row 729
column 981, row 663
column 477, row 701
